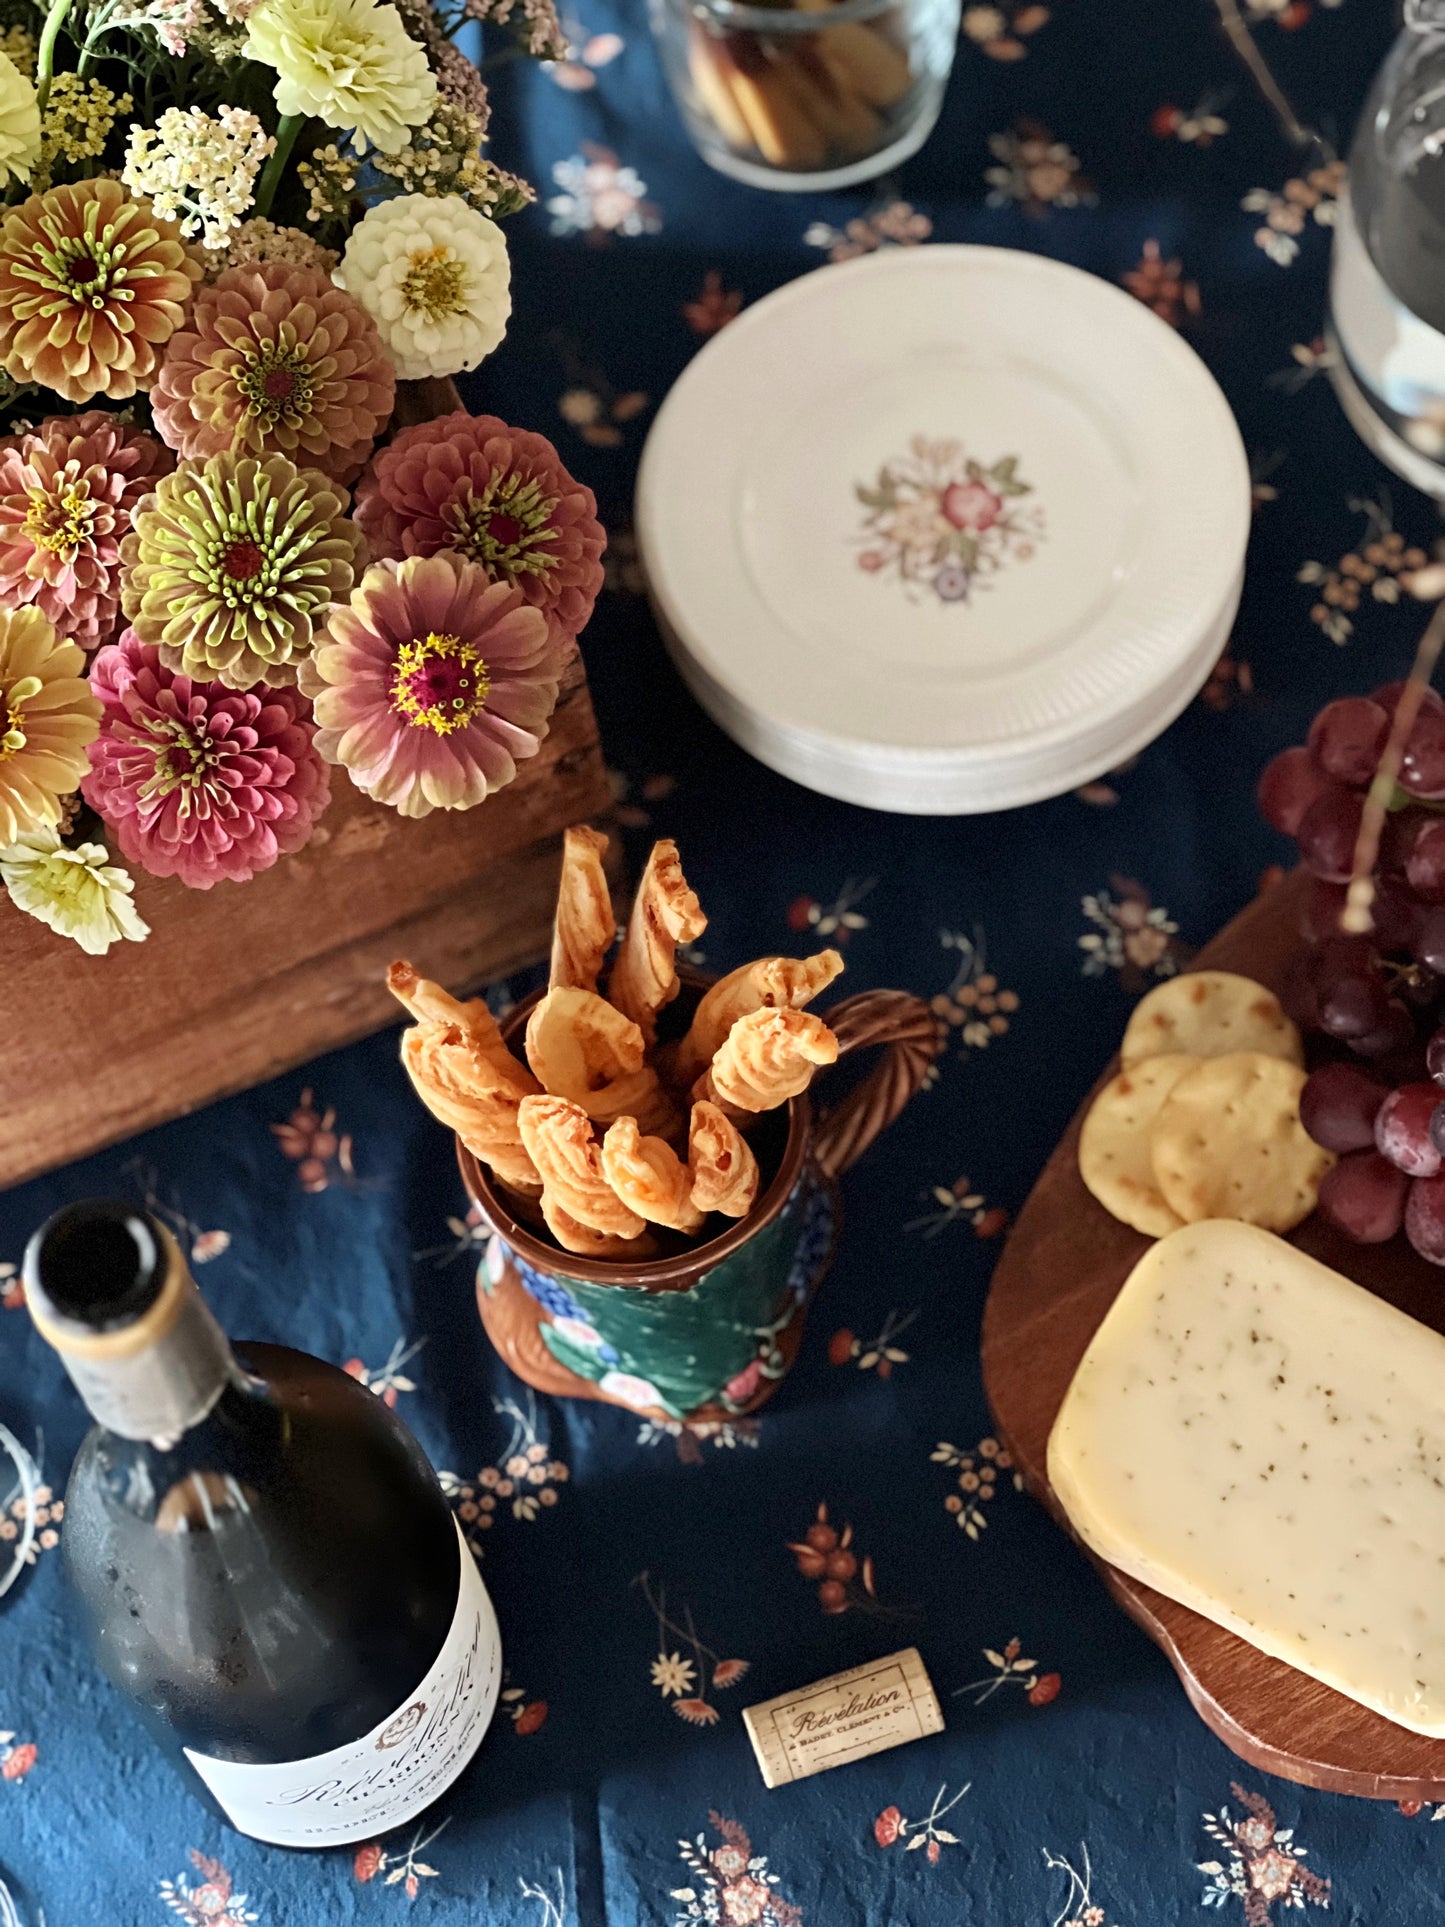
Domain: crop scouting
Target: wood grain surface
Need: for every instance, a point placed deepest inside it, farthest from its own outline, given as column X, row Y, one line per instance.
column 1059, row 1273
column 241, row 982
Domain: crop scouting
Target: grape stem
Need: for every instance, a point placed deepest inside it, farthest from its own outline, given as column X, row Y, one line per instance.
column 1357, row 918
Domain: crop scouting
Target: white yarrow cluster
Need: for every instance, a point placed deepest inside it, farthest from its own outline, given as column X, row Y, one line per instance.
column 351, row 63
column 434, row 275
column 197, row 170
column 19, row 123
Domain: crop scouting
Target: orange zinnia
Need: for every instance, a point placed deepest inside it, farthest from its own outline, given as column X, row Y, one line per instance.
column 93, row 283
column 275, row 360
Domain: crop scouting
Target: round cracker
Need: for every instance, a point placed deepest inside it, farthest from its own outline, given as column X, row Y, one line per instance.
column 1114, row 1155
column 1210, row 1013
column 1228, row 1143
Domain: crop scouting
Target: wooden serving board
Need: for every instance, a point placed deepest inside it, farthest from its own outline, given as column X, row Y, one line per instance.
column 1059, row 1273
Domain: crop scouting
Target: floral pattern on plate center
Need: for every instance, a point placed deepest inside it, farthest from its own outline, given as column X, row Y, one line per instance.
column 944, row 523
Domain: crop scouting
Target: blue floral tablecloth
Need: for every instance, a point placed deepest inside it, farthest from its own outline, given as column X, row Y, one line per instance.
column 645, row 1575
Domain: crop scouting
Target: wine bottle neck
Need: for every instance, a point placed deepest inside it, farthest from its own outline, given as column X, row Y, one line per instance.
column 155, row 1377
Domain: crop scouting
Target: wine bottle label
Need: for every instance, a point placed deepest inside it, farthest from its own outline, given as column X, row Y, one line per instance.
column 398, row 1768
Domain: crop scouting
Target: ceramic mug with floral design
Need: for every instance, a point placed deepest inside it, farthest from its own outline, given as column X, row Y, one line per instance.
column 705, row 1335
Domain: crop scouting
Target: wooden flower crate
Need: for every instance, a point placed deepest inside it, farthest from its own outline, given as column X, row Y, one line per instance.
column 241, row 982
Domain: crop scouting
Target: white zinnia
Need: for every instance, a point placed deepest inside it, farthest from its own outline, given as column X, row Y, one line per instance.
column 351, row 63
column 19, row 123
column 79, row 892
column 434, row 276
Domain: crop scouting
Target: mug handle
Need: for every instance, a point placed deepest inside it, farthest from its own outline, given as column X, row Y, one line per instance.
column 907, row 1032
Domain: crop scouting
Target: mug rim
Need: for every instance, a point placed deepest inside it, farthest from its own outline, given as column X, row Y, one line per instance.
column 677, row 1273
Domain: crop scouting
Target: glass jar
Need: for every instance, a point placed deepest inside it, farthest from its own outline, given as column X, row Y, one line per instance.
column 817, row 95
column 1387, row 279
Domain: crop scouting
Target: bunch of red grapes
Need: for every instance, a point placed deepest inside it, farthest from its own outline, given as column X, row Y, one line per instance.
column 1380, row 997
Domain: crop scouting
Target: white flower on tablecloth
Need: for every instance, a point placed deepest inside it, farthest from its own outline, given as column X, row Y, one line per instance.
column 435, row 277
column 671, row 1673
column 600, row 196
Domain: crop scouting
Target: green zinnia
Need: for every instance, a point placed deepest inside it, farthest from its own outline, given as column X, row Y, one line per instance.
column 232, row 563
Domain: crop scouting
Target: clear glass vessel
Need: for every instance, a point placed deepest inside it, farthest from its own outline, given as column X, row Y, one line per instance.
column 804, row 97
column 1387, row 281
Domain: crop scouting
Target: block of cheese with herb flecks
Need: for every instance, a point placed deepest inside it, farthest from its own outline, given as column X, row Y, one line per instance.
column 1262, row 1440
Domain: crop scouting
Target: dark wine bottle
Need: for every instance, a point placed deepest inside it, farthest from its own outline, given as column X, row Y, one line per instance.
column 270, row 1569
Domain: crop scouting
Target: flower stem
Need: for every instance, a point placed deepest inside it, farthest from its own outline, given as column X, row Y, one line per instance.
column 988, row 1687
column 290, row 126
column 93, row 34
column 686, row 1634
column 45, row 58
column 697, row 1646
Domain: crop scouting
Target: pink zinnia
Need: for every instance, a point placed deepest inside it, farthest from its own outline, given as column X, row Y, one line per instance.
column 66, row 493
column 497, row 495
column 433, row 684
column 196, row 780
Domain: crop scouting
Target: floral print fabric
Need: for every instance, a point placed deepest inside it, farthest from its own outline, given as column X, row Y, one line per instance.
column 653, row 1579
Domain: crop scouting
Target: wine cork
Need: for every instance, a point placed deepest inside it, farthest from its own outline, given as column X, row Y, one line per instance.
column 851, row 1716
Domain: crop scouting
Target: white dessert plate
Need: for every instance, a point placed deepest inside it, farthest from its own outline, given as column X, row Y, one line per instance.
column 945, row 529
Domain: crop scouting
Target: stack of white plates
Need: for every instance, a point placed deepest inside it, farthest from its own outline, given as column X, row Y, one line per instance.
column 945, row 529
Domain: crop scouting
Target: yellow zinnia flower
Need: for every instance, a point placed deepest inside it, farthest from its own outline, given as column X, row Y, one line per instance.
column 47, row 716
column 19, row 123
column 351, row 63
